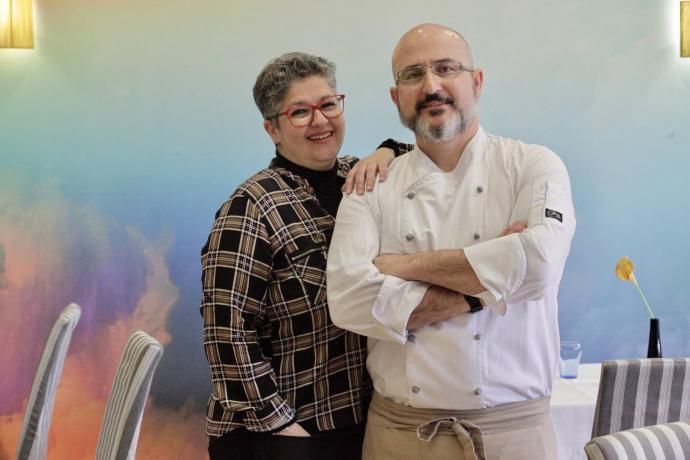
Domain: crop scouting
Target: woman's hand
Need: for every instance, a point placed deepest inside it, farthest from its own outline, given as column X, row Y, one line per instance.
column 295, row 430
column 363, row 173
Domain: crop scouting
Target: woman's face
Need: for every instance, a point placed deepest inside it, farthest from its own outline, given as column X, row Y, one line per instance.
column 317, row 144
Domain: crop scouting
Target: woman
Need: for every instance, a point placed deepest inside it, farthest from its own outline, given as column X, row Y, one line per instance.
column 287, row 383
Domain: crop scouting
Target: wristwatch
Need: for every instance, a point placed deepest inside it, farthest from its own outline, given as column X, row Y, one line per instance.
column 475, row 303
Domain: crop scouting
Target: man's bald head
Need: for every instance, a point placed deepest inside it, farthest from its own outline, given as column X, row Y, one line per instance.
column 427, row 35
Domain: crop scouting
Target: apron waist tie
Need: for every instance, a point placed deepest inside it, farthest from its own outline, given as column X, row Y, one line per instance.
column 467, row 433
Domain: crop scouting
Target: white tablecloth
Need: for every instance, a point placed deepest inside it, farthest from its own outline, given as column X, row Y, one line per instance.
column 572, row 411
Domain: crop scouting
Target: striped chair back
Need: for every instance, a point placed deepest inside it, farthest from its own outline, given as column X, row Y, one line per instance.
column 125, row 409
column 642, row 392
column 668, row 441
column 33, row 440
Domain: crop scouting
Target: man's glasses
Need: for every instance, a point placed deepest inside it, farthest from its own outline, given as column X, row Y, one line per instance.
column 301, row 115
column 443, row 69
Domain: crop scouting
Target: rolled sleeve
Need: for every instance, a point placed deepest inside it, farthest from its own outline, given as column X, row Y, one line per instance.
column 523, row 266
column 274, row 415
column 394, row 304
column 500, row 264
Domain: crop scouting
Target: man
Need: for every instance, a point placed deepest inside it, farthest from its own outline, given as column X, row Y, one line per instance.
column 451, row 268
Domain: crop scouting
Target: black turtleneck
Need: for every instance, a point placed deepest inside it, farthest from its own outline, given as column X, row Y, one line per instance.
column 326, row 184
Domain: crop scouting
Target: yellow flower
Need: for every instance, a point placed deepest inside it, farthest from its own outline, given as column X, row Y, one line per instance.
column 624, row 271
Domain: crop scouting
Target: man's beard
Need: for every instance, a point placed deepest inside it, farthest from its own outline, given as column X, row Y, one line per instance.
column 447, row 130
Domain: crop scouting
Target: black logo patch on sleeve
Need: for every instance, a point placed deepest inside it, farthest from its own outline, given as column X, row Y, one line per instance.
column 554, row 215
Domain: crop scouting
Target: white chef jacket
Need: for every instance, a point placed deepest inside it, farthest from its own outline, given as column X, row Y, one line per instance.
column 507, row 352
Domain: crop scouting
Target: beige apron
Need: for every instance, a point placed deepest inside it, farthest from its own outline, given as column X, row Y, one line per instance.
column 517, row 431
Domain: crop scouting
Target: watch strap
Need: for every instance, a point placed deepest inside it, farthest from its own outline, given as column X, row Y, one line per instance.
column 475, row 303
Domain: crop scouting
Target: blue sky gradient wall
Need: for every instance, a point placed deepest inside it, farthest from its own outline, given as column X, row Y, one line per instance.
column 130, row 123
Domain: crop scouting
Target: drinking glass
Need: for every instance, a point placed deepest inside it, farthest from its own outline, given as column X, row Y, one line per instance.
column 571, row 352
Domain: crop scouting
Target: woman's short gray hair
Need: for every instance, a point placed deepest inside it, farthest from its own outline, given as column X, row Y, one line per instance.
column 276, row 77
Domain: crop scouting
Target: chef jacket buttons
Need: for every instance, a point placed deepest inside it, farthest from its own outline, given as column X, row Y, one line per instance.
column 476, row 235
column 480, row 189
column 410, row 195
column 416, row 389
column 409, row 237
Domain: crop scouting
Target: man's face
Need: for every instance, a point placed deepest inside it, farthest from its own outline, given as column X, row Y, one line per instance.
column 437, row 109
column 317, row 144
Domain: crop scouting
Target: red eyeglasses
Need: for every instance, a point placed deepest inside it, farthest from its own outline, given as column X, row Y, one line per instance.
column 301, row 115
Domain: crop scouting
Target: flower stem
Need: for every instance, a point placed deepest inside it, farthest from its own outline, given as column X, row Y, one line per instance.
column 644, row 299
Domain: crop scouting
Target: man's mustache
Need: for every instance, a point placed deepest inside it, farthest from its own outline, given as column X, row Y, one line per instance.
column 434, row 98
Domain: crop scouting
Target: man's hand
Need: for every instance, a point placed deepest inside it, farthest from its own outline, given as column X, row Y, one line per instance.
column 438, row 304
column 393, row 264
column 516, row 227
column 363, row 173
column 295, row 430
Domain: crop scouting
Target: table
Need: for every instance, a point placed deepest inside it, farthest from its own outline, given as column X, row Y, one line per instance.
column 572, row 409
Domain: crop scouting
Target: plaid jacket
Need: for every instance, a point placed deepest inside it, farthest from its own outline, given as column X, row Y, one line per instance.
column 274, row 353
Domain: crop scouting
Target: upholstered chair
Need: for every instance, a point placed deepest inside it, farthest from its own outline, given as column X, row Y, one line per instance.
column 667, row 441
column 125, row 409
column 642, row 392
column 33, row 440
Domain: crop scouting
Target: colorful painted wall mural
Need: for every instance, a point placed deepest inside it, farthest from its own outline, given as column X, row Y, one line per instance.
column 129, row 123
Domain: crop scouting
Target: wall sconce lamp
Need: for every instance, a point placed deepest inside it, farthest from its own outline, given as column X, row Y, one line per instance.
column 685, row 29
column 16, row 24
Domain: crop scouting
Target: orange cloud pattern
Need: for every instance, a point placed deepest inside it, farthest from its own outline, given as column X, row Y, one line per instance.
column 52, row 252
